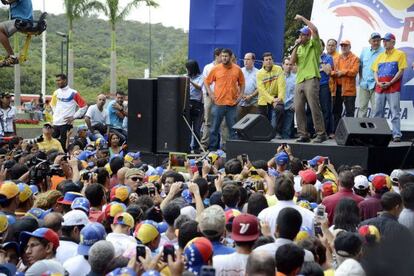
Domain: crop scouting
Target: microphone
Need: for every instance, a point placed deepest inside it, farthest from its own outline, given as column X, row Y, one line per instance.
column 291, row 48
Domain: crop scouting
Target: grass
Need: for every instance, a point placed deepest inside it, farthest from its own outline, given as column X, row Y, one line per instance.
column 76, row 123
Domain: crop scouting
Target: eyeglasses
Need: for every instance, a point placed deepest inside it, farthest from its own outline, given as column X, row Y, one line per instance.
column 136, row 178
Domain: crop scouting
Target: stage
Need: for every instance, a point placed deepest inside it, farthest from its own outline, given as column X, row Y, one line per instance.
column 374, row 159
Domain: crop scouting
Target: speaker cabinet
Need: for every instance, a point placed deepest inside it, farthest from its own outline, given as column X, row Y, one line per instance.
column 173, row 101
column 363, row 132
column 142, row 97
column 254, row 127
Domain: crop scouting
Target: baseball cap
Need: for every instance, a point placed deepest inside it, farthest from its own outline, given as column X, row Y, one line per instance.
column 186, row 195
column 305, row 30
column 43, row 233
column 8, row 269
column 388, row 37
column 124, row 271
column 84, row 155
column 375, row 35
column 134, row 171
column 345, row 42
column 11, row 244
column 370, row 233
column 5, row 94
column 120, row 192
column 395, row 175
column 231, row 213
column 24, row 192
column 379, row 182
column 328, row 188
column 4, row 223
column 83, row 127
column 113, row 208
column 124, row 218
column 69, row 198
column 81, row 203
column 347, row 244
column 89, row 235
column 308, row 176
column 361, row 182
column 37, row 213
column 245, row 228
column 9, row 189
column 212, row 221
column 198, row 252
column 47, row 125
column 146, row 231
column 35, row 189
column 282, row 158
column 75, row 217
column 317, row 160
column 131, row 156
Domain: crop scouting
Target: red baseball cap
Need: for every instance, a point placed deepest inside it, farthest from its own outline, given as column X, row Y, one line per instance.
column 308, row 176
column 245, row 228
column 379, row 182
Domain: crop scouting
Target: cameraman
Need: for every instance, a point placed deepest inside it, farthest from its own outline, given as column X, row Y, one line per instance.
column 46, row 142
column 21, row 9
column 7, row 114
column 69, row 168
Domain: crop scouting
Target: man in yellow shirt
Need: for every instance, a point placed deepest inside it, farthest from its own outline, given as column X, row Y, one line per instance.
column 271, row 85
column 49, row 143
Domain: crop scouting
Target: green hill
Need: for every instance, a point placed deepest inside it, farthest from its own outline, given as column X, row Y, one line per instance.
column 92, row 54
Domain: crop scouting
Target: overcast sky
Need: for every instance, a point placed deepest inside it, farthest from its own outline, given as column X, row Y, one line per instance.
column 171, row 13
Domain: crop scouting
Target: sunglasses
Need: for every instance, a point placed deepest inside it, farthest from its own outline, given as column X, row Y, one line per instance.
column 136, row 178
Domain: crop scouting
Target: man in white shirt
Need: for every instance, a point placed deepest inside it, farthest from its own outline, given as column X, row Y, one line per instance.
column 73, row 222
column 245, row 231
column 120, row 237
column 248, row 104
column 7, row 115
column 64, row 102
column 96, row 117
column 285, row 192
column 90, row 234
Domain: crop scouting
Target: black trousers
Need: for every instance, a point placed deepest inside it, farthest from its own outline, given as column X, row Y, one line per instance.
column 61, row 133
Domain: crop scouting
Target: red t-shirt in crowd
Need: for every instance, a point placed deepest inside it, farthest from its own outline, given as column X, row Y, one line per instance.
column 331, row 201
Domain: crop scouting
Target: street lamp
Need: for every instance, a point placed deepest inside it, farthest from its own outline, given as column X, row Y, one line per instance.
column 65, row 41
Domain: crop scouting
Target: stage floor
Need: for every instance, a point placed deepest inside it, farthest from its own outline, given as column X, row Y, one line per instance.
column 374, row 159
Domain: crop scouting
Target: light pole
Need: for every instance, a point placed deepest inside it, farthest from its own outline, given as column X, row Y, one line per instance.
column 44, row 58
column 150, row 40
column 64, row 41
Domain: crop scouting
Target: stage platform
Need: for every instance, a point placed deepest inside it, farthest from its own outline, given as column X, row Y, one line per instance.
column 374, row 159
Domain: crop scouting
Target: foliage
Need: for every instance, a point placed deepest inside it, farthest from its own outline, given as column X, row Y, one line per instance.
column 91, row 41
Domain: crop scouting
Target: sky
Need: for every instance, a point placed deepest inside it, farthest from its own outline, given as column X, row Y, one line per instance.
column 170, row 13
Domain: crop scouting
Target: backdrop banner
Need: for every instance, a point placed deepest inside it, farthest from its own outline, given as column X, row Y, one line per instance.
column 242, row 25
column 357, row 19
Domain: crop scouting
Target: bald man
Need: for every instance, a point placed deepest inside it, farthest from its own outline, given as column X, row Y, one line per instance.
column 261, row 263
column 96, row 118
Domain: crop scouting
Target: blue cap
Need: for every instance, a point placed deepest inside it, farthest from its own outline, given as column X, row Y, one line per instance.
column 122, row 271
column 388, row 36
column 81, row 203
column 37, row 213
column 159, row 226
column 375, row 35
column 160, row 170
column 8, row 269
column 84, row 155
column 305, row 30
column 35, row 189
column 83, row 127
column 187, row 196
column 89, row 235
column 151, row 273
column 282, row 158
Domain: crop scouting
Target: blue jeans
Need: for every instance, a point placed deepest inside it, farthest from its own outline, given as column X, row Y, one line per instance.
column 288, row 125
column 218, row 113
column 393, row 100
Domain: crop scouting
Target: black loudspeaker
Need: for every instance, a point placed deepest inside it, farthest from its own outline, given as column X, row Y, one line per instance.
column 173, row 101
column 254, row 127
column 142, row 97
column 363, row 132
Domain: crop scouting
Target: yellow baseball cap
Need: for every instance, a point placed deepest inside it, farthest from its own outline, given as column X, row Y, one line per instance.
column 4, row 223
column 124, row 218
column 25, row 192
column 146, row 231
column 9, row 189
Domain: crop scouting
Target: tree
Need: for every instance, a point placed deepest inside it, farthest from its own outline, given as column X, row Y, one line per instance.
column 116, row 14
column 74, row 9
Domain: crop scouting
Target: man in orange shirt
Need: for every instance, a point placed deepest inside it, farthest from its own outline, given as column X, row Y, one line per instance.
column 228, row 91
column 346, row 70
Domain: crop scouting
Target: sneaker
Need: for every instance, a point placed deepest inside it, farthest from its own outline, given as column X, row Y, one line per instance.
column 320, row 139
column 278, row 136
column 303, row 139
column 9, row 61
column 396, row 139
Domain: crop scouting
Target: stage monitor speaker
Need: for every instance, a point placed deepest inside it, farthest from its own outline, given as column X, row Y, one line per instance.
column 363, row 132
column 142, row 97
column 173, row 135
column 254, row 127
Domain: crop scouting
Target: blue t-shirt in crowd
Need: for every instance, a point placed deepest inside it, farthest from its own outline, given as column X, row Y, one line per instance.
column 196, row 94
column 22, row 9
column 367, row 58
column 290, row 90
column 221, row 249
column 325, row 59
column 114, row 120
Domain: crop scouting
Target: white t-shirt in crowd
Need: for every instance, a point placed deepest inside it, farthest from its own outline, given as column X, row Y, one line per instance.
column 97, row 116
column 64, row 103
column 271, row 248
column 7, row 117
column 66, row 250
column 50, row 265
column 121, row 242
column 165, row 240
column 231, row 264
column 77, row 266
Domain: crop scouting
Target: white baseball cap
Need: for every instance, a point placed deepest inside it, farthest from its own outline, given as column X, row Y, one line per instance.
column 361, row 182
column 395, row 175
column 75, row 217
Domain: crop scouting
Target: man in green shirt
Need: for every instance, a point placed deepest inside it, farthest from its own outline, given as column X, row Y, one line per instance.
column 306, row 54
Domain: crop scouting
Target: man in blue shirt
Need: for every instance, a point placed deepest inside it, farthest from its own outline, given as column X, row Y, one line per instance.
column 20, row 9
column 366, row 75
column 290, row 77
column 325, row 68
column 116, row 114
column 248, row 104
